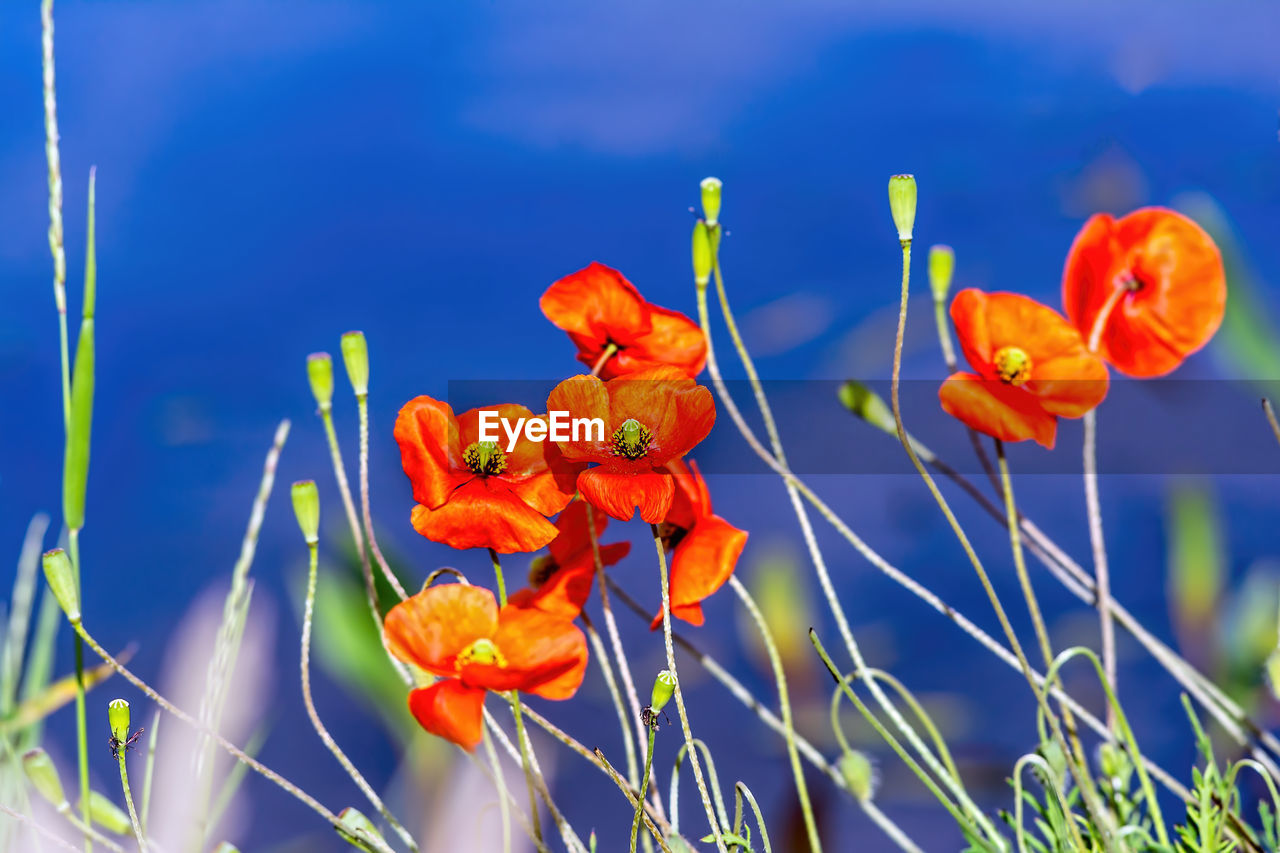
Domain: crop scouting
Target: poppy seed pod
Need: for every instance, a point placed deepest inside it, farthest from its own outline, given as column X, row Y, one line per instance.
column 711, row 200
column 355, row 355
column 902, row 203
column 43, row 776
column 942, row 265
column 663, row 688
column 61, row 578
column 306, row 506
column 320, row 375
column 118, row 717
column 701, row 254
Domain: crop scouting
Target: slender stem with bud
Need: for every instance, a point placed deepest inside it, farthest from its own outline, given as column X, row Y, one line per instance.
column 644, row 784
column 128, row 800
column 362, row 401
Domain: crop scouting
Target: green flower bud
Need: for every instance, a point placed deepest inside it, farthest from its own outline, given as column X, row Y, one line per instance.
column 942, row 265
column 902, row 203
column 664, row 686
column 61, row 578
column 678, row 844
column 226, row 847
column 320, row 375
column 859, row 774
column 868, row 405
column 355, row 355
column 118, row 717
column 1114, row 763
column 701, row 254
column 358, row 831
column 711, row 200
column 108, row 815
column 44, row 777
column 1056, row 759
column 306, row 507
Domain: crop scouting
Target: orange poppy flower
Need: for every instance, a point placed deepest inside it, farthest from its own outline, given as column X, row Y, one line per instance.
column 650, row 418
column 457, row 633
column 598, row 307
column 473, row 494
column 560, row 581
column 1145, row 290
column 1031, row 368
column 706, row 547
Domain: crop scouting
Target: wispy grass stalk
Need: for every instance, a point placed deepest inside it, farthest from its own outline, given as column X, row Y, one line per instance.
column 1102, row 574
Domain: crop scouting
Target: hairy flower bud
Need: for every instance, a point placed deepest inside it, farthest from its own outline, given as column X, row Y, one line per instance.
column 868, row 405
column 902, row 203
column 701, row 254
column 61, row 577
column 355, row 355
column 43, row 776
column 118, row 717
column 320, row 375
column 107, row 814
column 663, row 688
column 711, row 200
column 942, row 265
column 358, row 831
column 859, row 774
column 306, row 507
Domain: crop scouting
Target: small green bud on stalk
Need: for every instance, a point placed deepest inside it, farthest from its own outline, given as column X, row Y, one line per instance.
column 118, row 717
column 61, row 578
column 75, row 462
column 43, row 776
column 711, row 200
column 320, row 375
column 859, row 774
column 108, row 815
column 358, row 831
column 868, row 405
column 701, row 254
column 226, row 847
column 355, row 355
column 306, row 507
column 664, row 686
column 1114, row 763
column 942, row 266
column 902, row 203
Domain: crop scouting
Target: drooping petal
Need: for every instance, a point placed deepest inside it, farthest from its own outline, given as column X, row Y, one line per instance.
column 566, row 590
column 485, row 513
column 450, row 710
column 598, row 306
column 675, row 340
column 620, row 494
column 997, row 410
column 702, row 563
column 430, row 628
column 429, row 451
column 543, row 654
column 692, row 500
column 1172, row 283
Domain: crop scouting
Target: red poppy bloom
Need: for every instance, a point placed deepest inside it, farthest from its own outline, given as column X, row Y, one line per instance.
column 1145, row 290
column 1031, row 368
column 473, row 494
column 560, row 581
column 457, row 633
column 706, row 547
column 650, row 418
column 598, row 307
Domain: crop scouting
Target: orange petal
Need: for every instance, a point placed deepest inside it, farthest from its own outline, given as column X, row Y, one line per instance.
column 993, row 408
column 450, row 710
column 545, row 654
column 430, row 628
column 678, row 412
column 582, row 397
column 429, row 451
column 484, row 513
column 620, row 494
column 691, row 613
column 675, row 340
column 598, row 304
column 702, row 563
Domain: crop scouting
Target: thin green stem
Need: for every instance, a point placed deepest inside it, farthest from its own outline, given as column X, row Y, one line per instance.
column 944, row 334
column 148, row 776
column 514, row 698
column 499, row 781
column 567, row 835
column 784, row 704
column 82, row 731
column 309, row 701
column 644, row 784
column 362, row 402
column 679, row 693
column 606, row 669
column 128, row 800
column 607, row 354
column 1102, row 574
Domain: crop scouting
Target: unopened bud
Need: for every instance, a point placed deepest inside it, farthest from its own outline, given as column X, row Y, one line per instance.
column 1114, row 762
column 678, row 844
column 701, row 254
column 306, row 507
column 902, row 203
column 663, row 688
column 118, row 717
column 107, row 814
column 711, row 200
column 226, row 847
column 859, row 774
column 320, row 375
column 868, row 405
column 942, row 265
column 358, row 831
column 44, row 777
column 355, row 355
column 61, row 578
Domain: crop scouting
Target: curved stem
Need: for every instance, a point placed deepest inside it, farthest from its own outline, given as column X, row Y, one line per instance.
column 784, row 704
column 1101, row 573
column 679, row 693
column 644, row 784
column 499, row 781
column 1270, row 412
column 606, row 669
column 309, row 701
column 128, row 800
column 609, row 350
column 362, row 402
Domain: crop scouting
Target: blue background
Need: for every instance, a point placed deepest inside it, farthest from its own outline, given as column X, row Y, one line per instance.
column 271, row 175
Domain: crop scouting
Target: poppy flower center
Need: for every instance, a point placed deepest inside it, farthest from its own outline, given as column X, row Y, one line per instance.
column 671, row 534
column 631, row 439
column 485, row 458
column 1013, row 365
column 483, row 652
column 541, row 570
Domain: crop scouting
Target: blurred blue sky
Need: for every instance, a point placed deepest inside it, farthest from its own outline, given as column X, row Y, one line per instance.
column 273, row 174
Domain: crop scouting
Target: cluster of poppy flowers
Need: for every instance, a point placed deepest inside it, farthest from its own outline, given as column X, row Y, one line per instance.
column 1141, row 294
column 474, row 494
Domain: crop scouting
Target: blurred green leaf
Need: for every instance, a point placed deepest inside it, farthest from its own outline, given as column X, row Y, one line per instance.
column 1196, row 562
column 54, row 696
